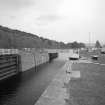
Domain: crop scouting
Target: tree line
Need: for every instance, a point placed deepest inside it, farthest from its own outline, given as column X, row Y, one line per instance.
column 10, row 38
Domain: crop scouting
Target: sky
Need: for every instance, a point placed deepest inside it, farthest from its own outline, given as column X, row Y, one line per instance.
column 60, row 20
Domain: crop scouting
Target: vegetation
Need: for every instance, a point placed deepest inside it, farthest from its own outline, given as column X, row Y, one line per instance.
column 98, row 45
column 77, row 45
column 10, row 38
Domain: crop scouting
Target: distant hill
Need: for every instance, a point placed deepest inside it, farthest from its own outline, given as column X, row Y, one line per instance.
column 10, row 38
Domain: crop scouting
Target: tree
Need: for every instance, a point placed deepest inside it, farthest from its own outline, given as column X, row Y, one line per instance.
column 75, row 45
column 98, row 45
column 81, row 45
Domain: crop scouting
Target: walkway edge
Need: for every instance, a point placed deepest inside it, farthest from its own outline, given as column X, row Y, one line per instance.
column 56, row 92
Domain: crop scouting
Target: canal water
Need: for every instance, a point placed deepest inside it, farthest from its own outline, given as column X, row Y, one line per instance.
column 27, row 87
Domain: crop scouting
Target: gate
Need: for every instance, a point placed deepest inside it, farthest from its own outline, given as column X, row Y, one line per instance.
column 9, row 65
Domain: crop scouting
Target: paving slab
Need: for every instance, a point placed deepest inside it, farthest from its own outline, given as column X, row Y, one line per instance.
column 49, row 101
column 57, row 83
column 57, row 93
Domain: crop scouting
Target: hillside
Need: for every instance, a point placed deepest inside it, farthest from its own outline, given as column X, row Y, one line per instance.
column 10, row 38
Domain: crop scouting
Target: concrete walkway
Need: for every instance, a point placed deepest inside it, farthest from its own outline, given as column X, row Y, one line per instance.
column 56, row 92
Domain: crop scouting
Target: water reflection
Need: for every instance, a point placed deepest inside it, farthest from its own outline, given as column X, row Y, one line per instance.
column 9, row 87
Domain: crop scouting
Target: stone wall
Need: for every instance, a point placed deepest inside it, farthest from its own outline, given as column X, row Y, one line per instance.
column 30, row 60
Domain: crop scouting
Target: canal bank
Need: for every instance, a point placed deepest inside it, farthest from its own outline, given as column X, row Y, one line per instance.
column 84, row 85
column 56, row 93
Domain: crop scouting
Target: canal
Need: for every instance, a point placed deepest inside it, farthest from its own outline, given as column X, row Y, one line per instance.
column 27, row 87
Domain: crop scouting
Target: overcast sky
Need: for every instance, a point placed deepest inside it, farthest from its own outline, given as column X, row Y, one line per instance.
column 61, row 20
